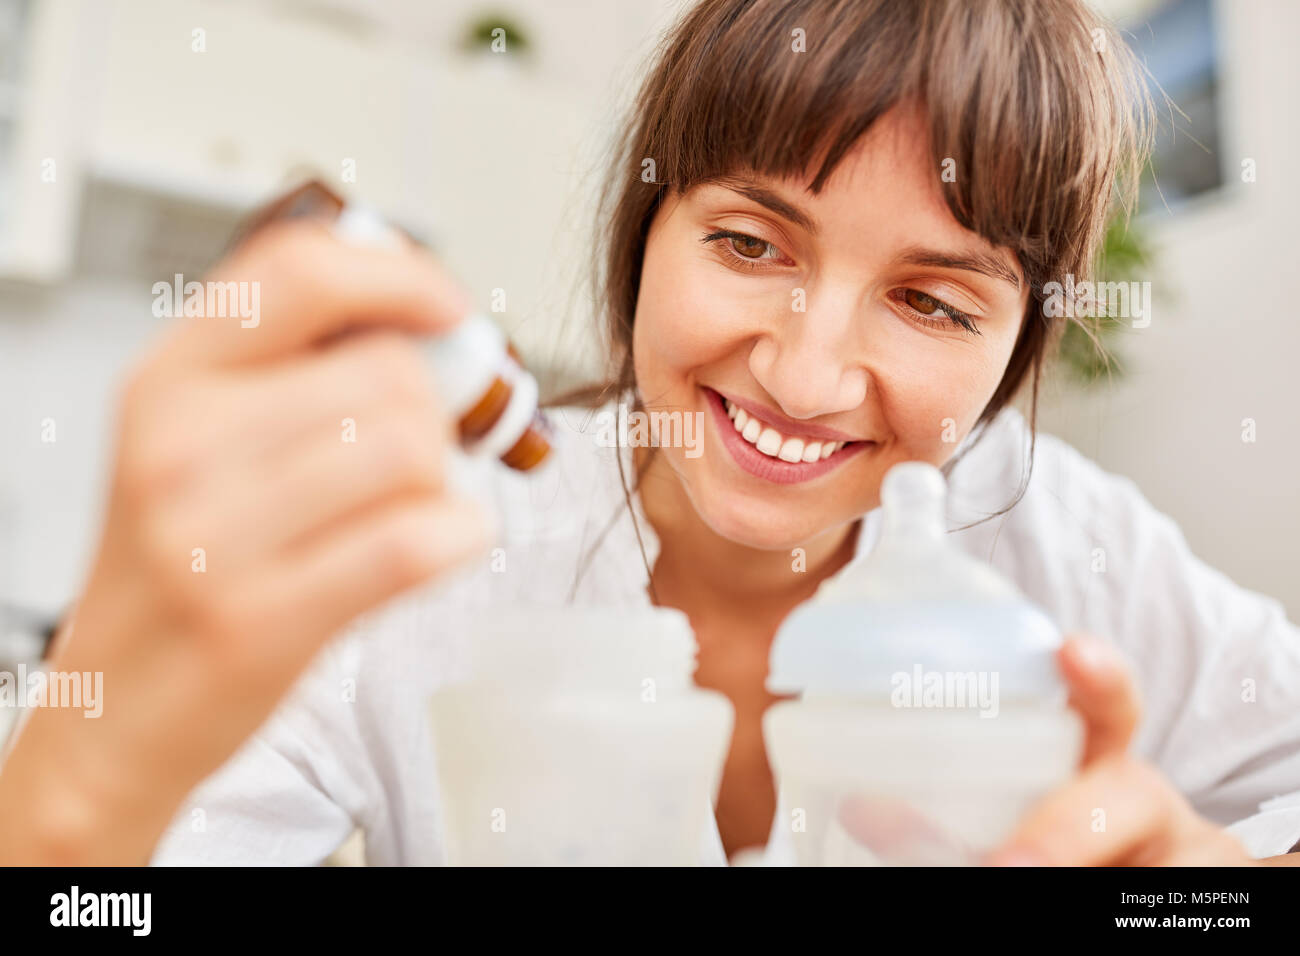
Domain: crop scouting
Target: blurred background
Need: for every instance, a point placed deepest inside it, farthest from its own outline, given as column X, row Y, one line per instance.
column 134, row 134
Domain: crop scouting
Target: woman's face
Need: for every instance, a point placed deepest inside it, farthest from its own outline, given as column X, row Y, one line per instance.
column 839, row 318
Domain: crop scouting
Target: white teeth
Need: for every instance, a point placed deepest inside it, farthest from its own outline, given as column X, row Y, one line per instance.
column 772, row 443
column 791, row 450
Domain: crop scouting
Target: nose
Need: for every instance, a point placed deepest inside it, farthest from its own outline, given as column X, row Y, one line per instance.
column 810, row 363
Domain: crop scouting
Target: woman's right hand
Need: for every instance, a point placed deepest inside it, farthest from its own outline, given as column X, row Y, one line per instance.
column 271, row 483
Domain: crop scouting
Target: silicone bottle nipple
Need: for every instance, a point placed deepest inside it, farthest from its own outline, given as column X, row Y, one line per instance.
column 912, row 498
column 914, row 560
column 916, row 599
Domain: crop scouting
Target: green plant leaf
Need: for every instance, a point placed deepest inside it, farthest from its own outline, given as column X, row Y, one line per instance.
column 478, row 35
column 1088, row 350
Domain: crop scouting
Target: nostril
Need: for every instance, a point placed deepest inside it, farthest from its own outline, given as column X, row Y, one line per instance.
column 804, row 392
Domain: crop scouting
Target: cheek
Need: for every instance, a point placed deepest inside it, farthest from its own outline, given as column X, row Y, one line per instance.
column 932, row 401
column 687, row 316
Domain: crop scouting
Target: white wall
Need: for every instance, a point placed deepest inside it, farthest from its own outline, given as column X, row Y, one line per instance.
column 1224, row 340
column 60, row 354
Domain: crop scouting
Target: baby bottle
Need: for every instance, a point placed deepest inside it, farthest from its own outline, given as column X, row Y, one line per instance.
column 931, row 714
column 577, row 737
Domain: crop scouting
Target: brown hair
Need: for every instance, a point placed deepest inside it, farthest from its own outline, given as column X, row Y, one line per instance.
column 1040, row 104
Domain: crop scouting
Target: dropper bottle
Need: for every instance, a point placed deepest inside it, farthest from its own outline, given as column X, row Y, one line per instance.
column 492, row 397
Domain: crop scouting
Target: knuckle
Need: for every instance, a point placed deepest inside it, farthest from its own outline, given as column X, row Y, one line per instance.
column 404, row 452
column 398, row 370
column 408, row 554
column 228, row 626
column 189, row 591
column 167, row 548
column 281, row 251
column 416, row 382
column 229, row 618
column 1143, row 778
column 152, row 468
column 158, row 450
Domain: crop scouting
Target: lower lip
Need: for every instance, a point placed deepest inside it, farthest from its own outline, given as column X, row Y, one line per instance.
column 764, row 466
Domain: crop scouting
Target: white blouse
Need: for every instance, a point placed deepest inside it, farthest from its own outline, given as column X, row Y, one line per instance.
column 1218, row 666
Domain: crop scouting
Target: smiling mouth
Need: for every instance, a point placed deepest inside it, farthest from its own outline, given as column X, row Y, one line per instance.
column 766, row 452
column 774, row 444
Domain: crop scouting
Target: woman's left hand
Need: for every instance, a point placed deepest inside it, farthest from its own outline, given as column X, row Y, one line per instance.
column 1118, row 810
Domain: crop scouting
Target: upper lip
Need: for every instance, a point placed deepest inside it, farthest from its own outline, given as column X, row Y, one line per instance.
column 788, row 427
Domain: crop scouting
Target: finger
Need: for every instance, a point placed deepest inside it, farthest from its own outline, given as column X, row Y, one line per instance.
column 1110, row 814
column 327, row 391
column 300, row 285
column 366, row 562
column 1104, row 693
column 286, row 467
column 254, row 415
column 330, row 480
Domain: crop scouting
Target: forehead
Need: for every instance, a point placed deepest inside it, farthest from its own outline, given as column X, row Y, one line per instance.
column 893, row 155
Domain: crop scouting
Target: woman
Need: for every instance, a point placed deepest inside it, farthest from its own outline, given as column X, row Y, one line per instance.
column 832, row 219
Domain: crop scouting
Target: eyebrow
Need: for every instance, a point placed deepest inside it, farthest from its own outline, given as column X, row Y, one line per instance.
column 980, row 262
column 766, row 197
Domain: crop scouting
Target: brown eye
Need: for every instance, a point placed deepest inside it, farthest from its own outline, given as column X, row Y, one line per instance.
column 748, row 246
column 925, row 304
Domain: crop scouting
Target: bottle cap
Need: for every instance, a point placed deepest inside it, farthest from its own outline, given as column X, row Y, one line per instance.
column 518, row 415
column 466, row 359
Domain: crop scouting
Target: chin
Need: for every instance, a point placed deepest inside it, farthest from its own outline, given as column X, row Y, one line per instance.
column 749, row 521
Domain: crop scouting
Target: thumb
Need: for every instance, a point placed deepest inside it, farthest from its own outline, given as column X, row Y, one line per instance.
column 1103, row 692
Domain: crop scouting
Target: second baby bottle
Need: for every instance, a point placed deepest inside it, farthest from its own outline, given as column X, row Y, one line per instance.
column 931, row 714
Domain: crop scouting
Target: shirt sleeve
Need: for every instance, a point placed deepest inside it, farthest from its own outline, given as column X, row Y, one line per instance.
column 1218, row 666
column 296, row 789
